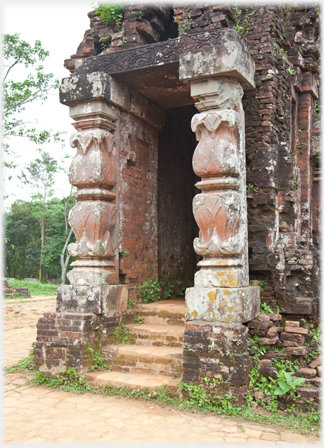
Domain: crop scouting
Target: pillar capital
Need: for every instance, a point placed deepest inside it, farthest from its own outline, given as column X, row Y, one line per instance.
column 228, row 58
column 216, row 93
column 84, row 91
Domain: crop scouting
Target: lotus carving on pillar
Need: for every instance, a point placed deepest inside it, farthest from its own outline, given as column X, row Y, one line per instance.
column 216, row 153
column 218, row 218
column 93, row 224
column 95, row 163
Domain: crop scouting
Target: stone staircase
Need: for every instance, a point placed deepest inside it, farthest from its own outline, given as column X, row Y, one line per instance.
column 155, row 359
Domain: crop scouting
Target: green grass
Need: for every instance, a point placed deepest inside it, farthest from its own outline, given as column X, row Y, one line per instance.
column 35, row 288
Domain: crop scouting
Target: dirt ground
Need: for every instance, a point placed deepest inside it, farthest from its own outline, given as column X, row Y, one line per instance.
column 37, row 415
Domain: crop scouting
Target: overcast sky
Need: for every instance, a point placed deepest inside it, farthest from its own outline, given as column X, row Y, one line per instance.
column 60, row 27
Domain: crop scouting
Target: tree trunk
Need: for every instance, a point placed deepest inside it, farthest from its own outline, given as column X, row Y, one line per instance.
column 42, row 248
column 64, row 263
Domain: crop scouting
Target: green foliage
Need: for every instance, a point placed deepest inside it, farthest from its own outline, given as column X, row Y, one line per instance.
column 111, row 14
column 159, row 289
column 123, row 254
column 17, row 94
column 22, row 231
column 188, row 396
column 180, row 287
column 260, row 348
column 149, row 291
column 285, row 384
column 167, row 288
column 291, row 70
column 184, row 24
column 122, row 335
column 266, row 308
column 130, row 304
column 272, row 387
column 99, row 362
column 262, row 285
column 69, row 380
column 242, row 20
column 139, row 320
column 22, row 243
column 35, row 288
column 251, row 189
column 40, row 176
column 316, row 332
column 317, row 111
column 22, row 364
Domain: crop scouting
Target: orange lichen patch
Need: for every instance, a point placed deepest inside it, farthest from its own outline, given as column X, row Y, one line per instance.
column 212, row 296
column 230, row 317
column 187, row 309
column 228, row 278
column 230, row 308
column 226, row 293
column 194, row 314
column 222, row 304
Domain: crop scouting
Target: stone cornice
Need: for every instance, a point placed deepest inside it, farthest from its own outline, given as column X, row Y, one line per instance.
column 159, row 54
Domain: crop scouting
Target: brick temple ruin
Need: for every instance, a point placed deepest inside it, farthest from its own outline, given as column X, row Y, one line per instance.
column 235, row 211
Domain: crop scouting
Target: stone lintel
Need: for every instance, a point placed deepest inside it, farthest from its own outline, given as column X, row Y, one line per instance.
column 97, row 299
column 98, row 85
column 228, row 58
column 222, row 304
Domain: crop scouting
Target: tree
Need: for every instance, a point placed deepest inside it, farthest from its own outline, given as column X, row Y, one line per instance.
column 23, row 243
column 21, row 231
column 39, row 175
column 65, row 256
column 17, row 94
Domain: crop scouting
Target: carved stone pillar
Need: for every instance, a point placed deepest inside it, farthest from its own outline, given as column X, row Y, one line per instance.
column 221, row 292
column 94, row 219
column 94, row 171
column 221, row 301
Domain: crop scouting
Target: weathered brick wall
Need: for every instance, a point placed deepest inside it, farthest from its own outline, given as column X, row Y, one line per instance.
column 283, row 207
column 198, row 17
column 282, row 134
column 143, row 24
column 138, row 193
column 283, row 339
column 63, row 340
column 67, row 340
column 217, row 351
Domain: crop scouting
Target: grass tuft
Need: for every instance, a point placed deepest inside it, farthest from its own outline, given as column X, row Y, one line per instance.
column 35, row 288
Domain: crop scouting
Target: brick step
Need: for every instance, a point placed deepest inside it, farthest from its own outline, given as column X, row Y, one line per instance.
column 140, row 359
column 171, row 312
column 132, row 380
column 158, row 335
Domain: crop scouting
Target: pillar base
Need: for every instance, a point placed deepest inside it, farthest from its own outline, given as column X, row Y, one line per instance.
column 215, row 355
column 63, row 340
column 222, row 304
column 96, row 299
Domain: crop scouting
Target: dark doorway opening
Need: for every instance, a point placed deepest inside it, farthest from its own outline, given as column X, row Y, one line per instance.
column 176, row 225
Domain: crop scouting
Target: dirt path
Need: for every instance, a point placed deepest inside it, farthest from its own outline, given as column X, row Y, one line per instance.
column 35, row 415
